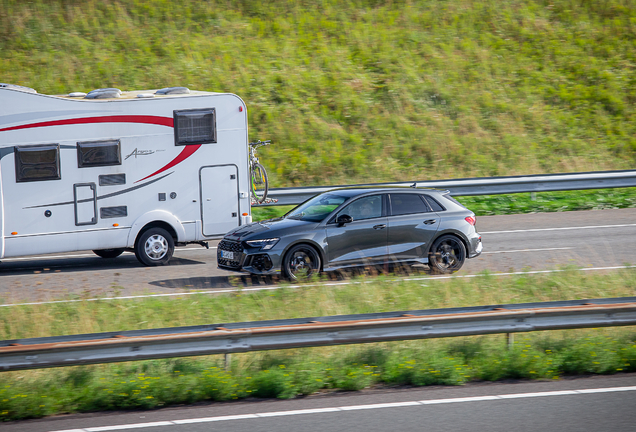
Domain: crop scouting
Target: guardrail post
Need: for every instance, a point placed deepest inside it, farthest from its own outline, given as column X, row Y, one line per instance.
column 510, row 337
column 228, row 360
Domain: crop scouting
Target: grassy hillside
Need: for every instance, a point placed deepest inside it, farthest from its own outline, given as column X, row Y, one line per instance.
column 363, row 90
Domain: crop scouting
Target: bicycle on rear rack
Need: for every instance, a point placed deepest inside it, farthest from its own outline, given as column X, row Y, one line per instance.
column 258, row 174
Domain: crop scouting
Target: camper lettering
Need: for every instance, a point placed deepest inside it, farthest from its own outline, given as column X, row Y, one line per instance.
column 136, row 153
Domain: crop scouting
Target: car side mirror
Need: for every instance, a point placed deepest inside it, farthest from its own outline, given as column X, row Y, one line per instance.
column 344, row 219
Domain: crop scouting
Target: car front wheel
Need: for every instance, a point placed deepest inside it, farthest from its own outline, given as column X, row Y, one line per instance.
column 447, row 255
column 301, row 262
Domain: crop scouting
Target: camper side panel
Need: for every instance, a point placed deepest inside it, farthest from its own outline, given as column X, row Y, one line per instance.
column 80, row 174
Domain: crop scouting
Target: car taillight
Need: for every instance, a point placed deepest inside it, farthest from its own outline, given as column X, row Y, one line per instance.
column 471, row 220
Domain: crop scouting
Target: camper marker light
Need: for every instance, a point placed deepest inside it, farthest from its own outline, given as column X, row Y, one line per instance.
column 14, row 233
column 240, row 109
column 244, row 214
column 115, row 224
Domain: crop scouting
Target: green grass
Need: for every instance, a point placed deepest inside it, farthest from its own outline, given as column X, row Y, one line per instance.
column 599, row 199
column 285, row 374
column 373, row 294
column 486, row 205
column 364, row 91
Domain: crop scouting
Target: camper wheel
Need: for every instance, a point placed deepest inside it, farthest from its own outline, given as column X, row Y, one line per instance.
column 108, row 253
column 154, row 247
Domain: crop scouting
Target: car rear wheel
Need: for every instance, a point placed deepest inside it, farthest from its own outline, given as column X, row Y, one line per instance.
column 447, row 255
column 154, row 247
column 301, row 262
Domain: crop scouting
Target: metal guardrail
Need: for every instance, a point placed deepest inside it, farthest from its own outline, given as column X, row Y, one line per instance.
column 310, row 332
column 482, row 186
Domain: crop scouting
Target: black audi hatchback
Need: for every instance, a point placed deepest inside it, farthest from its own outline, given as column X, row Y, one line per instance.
column 356, row 227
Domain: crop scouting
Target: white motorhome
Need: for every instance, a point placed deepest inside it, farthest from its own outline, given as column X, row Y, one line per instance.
column 110, row 171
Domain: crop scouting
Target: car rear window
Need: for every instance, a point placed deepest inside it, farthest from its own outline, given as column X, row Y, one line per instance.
column 437, row 207
column 450, row 198
column 407, row 204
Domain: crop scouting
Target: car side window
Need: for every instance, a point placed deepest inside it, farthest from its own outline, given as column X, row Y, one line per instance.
column 368, row 207
column 437, row 207
column 402, row 204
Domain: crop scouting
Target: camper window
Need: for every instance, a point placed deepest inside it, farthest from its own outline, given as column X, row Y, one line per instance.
column 37, row 163
column 98, row 153
column 195, row 126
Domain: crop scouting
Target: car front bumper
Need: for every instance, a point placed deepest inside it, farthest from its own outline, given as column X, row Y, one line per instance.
column 233, row 256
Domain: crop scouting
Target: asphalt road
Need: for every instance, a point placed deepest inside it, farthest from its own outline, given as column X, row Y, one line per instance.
column 512, row 243
column 606, row 403
column 600, row 238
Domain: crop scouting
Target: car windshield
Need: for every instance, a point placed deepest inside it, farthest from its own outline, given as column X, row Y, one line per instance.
column 317, row 208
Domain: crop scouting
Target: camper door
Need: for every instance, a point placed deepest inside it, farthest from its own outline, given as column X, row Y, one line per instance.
column 219, row 199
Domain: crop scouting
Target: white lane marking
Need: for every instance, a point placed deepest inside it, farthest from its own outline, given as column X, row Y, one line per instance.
column 43, row 257
column 382, row 405
column 527, row 250
column 481, row 232
column 276, row 287
column 521, row 273
column 354, row 408
column 213, row 419
column 129, row 426
column 539, row 394
column 297, row 412
column 53, row 257
column 607, row 389
column 557, row 229
column 458, row 400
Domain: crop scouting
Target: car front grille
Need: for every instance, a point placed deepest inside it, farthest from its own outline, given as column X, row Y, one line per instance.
column 226, row 245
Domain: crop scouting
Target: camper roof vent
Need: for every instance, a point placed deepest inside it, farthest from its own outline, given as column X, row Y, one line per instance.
column 173, row 90
column 77, row 94
column 17, row 87
column 145, row 95
column 104, row 93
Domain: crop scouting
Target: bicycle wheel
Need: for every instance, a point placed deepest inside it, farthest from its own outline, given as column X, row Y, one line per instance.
column 260, row 183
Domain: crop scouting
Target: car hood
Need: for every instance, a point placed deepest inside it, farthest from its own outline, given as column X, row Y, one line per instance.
column 269, row 228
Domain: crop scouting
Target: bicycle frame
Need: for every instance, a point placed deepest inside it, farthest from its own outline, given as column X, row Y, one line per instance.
column 256, row 167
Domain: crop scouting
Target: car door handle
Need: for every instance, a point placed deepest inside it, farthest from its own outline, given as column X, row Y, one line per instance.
column 429, row 221
column 381, row 226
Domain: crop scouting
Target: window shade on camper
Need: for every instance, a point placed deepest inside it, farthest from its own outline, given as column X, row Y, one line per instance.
column 37, row 163
column 195, row 126
column 98, row 153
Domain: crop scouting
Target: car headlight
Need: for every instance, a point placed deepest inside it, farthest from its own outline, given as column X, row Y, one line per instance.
column 264, row 244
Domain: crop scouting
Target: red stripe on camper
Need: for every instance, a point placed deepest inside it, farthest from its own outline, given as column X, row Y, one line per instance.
column 185, row 153
column 161, row 121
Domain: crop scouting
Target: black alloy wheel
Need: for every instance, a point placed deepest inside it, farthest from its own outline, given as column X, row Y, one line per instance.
column 108, row 253
column 301, row 262
column 447, row 255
